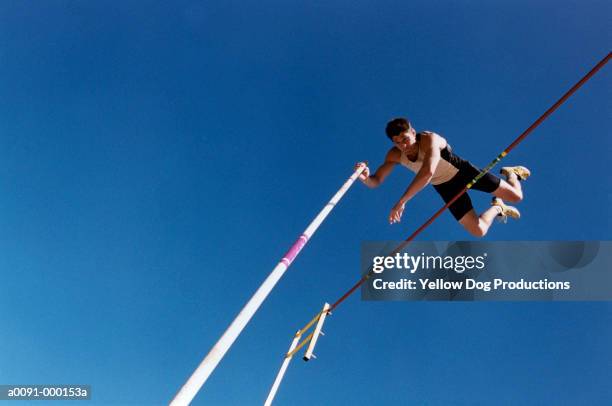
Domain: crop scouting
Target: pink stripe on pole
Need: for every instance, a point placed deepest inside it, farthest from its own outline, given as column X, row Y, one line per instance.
column 294, row 250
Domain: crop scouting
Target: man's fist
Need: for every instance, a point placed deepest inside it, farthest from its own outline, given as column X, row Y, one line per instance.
column 366, row 172
column 396, row 213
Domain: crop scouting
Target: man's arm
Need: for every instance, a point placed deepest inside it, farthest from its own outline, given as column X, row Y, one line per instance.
column 431, row 145
column 382, row 172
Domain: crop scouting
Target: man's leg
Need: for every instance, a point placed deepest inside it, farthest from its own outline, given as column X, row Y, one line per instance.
column 509, row 190
column 479, row 225
column 462, row 208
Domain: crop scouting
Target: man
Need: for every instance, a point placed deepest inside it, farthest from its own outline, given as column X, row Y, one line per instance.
column 430, row 156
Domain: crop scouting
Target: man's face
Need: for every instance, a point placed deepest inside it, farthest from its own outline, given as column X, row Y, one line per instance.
column 405, row 140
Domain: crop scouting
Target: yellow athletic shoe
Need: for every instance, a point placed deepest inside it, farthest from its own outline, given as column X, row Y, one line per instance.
column 506, row 211
column 520, row 171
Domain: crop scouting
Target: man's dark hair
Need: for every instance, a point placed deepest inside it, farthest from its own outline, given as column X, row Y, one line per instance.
column 396, row 127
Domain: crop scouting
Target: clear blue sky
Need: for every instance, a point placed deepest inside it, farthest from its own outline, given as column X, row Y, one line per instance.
column 157, row 159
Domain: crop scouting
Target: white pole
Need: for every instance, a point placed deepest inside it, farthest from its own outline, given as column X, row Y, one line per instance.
column 189, row 390
column 281, row 372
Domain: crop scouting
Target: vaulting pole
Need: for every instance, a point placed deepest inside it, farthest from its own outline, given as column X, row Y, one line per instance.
column 189, row 390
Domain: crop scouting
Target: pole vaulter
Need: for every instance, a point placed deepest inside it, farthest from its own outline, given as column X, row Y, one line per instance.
column 189, row 390
column 505, row 152
column 327, row 309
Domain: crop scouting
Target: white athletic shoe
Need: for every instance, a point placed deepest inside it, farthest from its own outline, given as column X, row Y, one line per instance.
column 520, row 171
column 506, row 211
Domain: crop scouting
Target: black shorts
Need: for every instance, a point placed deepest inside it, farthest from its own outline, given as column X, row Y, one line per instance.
column 467, row 172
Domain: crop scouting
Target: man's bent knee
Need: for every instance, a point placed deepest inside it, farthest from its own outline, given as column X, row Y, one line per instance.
column 508, row 193
column 477, row 231
column 474, row 225
column 515, row 196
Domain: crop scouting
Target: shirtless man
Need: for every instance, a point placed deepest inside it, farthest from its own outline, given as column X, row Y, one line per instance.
column 430, row 156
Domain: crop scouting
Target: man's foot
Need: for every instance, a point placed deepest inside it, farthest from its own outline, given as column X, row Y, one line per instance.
column 505, row 210
column 520, row 171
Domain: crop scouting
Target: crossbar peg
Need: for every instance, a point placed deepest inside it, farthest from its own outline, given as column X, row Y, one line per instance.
column 317, row 331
